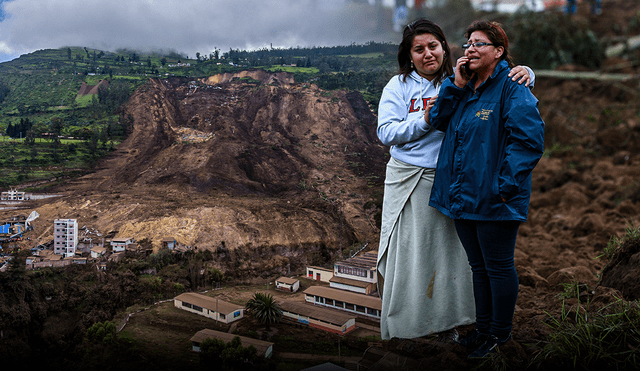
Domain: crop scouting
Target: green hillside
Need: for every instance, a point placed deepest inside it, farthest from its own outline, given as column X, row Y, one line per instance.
column 50, row 131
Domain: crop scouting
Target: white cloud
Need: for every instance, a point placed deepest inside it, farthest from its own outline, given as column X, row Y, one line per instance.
column 188, row 26
column 4, row 48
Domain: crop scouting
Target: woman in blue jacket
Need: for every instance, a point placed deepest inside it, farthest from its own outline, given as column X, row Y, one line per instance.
column 424, row 279
column 493, row 139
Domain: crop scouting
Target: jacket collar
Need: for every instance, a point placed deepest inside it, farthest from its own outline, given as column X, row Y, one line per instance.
column 501, row 66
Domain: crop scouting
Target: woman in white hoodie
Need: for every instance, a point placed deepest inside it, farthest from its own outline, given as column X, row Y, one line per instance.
column 424, row 278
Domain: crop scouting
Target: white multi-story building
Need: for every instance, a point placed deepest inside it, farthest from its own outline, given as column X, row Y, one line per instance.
column 65, row 237
column 12, row 195
column 357, row 274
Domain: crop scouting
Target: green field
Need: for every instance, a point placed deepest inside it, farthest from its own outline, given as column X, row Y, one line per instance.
column 292, row 69
column 44, row 159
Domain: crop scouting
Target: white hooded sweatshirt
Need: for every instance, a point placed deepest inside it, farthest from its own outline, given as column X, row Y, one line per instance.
column 401, row 123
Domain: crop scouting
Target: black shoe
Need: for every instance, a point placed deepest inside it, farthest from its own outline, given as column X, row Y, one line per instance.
column 473, row 340
column 489, row 347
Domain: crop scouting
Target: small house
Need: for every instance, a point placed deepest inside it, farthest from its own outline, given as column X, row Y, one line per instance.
column 209, row 307
column 319, row 274
column 169, row 243
column 98, row 252
column 78, row 260
column 120, row 244
column 287, row 284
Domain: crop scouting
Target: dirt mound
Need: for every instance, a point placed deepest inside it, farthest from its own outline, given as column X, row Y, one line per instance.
column 254, row 162
column 259, row 75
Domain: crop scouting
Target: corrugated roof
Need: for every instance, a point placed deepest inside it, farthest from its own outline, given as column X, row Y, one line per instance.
column 345, row 296
column 332, row 316
column 350, row 282
column 287, row 280
column 320, row 268
column 260, row 345
column 367, row 260
column 208, row 302
column 124, row 239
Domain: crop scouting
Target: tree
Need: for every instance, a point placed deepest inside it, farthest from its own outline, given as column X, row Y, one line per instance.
column 547, row 40
column 104, row 332
column 56, row 129
column 264, row 308
column 214, row 275
column 10, row 130
column 4, row 91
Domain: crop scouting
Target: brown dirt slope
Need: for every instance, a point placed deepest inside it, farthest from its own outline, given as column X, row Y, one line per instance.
column 248, row 161
column 92, row 89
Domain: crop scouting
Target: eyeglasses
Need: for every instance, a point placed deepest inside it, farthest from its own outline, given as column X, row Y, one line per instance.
column 475, row 45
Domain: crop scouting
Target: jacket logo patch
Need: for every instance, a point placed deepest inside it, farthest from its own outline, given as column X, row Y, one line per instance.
column 483, row 114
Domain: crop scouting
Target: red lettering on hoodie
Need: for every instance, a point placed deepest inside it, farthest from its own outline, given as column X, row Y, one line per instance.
column 413, row 108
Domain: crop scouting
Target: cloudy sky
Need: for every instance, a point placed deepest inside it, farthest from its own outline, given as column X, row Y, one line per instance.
column 187, row 26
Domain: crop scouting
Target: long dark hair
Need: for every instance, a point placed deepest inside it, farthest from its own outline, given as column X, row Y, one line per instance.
column 496, row 36
column 418, row 27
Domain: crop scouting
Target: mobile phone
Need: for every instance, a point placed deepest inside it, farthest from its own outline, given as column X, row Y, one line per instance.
column 467, row 70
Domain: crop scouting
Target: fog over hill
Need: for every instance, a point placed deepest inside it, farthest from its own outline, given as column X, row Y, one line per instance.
column 188, row 27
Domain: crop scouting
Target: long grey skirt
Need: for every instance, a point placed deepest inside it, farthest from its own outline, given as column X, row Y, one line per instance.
column 424, row 278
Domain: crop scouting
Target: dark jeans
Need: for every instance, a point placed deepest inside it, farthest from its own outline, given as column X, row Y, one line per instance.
column 490, row 246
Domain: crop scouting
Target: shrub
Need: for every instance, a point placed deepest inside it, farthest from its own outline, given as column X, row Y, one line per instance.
column 548, row 40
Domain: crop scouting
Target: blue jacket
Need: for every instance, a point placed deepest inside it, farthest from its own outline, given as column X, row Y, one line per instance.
column 494, row 137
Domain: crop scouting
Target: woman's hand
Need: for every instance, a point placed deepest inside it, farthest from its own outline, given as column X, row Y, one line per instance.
column 521, row 75
column 428, row 108
column 462, row 78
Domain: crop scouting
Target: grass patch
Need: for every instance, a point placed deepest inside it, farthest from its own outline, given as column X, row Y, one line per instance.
column 606, row 339
column 85, row 100
column 632, row 234
column 43, row 159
